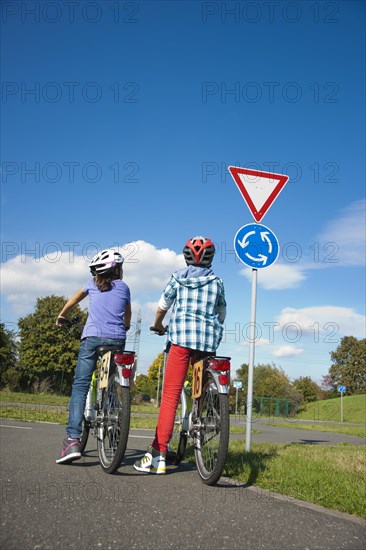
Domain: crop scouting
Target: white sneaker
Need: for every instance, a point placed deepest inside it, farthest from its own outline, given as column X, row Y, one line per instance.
column 153, row 462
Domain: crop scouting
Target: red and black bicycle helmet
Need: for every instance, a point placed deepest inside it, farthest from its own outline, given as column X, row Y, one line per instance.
column 199, row 251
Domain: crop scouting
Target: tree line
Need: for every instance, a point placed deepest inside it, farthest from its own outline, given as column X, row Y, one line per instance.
column 41, row 358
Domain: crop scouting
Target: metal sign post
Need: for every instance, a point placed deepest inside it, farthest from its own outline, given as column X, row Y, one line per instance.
column 342, row 390
column 341, row 406
column 257, row 247
column 237, row 385
column 248, row 436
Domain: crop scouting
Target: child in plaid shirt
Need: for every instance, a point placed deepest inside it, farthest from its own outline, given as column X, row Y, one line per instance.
column 198, row 299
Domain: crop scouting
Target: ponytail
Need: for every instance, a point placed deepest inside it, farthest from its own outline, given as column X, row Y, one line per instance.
column 104, row 281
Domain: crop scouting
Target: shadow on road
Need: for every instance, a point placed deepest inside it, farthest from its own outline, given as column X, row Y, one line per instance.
column 310, row 441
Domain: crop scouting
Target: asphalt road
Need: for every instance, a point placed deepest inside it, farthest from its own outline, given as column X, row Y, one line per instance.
column 49, row 506
column 293, row 434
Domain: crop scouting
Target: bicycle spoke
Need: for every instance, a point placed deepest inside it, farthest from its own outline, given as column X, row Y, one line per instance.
column 212, row 431
column 114, row 426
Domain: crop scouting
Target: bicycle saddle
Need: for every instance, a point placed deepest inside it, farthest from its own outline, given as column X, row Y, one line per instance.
column 103, row 349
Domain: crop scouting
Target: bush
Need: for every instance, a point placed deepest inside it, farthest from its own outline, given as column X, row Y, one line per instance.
column 11, row 379
column 43, row 385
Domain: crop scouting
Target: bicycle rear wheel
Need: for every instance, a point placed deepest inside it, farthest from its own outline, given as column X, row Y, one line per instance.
column 212, row 438
column 178, row 442
column 114, row 425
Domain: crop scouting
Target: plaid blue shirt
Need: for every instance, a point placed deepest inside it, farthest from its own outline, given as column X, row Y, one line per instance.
column 198, row 310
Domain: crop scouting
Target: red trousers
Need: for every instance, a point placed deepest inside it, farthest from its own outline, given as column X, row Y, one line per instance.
column 175, row 373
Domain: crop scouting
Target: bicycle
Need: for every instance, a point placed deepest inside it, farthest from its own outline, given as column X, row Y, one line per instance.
column 108, row 404
column 202, row 418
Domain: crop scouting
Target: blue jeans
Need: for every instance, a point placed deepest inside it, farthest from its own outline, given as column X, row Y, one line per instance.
column 87, row 361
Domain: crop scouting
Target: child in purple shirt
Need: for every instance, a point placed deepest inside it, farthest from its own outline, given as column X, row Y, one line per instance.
column 109, row 317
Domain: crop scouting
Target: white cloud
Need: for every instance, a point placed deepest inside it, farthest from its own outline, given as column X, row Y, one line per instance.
column 287, row 351
column 332, row 321
column 24, row 278
column 348, row 235
column 277, row 276
column 148, row 268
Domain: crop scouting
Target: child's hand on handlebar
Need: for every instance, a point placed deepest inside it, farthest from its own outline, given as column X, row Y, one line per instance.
column 65, row 322
column 159, row 329
column 62, row 322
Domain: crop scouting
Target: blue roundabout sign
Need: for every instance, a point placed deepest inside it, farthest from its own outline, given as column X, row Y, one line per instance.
column 256, row 245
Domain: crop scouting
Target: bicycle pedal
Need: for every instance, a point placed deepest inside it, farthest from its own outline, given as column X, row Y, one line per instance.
column 170, row 457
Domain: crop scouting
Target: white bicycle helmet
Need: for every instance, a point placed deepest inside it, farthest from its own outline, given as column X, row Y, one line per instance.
column 105, row 260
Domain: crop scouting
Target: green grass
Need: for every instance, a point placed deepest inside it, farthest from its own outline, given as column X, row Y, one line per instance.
column 145, row 408
column 354, row 406
column 354, row 410
column 34, row 413
column 37, row 412
column 143, row 422
column 358, row 431
column 39, row 398
column 330, row 476
column 62, row 400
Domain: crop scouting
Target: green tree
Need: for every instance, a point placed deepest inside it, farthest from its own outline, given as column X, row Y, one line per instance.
column 308, row 388
column 242, row 376
column 8, row 348
column 156, row 369
column 46, row 351
column 349, row 365
column 269, row 381
column 143, row 386
column 8, row 356
column 328, row 388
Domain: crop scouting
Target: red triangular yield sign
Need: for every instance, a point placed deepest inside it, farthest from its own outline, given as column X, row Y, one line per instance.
column 258, row 189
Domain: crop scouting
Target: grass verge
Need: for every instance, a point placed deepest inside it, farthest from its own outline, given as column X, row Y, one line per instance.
column 61, row 400
column 37, row 398
column 330, row 476
column 37, row 412
column 354, row 410
column 358, row 431
column 34, row 413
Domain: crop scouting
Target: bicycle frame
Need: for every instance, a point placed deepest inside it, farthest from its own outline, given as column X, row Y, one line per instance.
column 107, row 407
column 90, row 411
column 219, row 367
column 123, row 362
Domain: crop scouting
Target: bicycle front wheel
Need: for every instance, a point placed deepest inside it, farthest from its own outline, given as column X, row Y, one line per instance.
column 114, row 425
column 213, row 426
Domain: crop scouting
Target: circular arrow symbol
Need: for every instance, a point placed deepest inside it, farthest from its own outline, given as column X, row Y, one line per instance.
column 256, row 245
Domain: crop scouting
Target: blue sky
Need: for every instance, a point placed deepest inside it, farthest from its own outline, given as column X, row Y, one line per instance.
column 119, row 120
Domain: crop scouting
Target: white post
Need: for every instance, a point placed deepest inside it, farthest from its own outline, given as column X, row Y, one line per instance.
column 248, row 438
column 236, row 401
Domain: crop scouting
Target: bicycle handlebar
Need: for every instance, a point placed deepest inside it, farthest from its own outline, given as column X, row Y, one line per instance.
column 62, row 322
column 159, row 332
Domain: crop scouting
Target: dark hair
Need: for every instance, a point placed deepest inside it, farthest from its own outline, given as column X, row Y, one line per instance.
column 104, row 280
